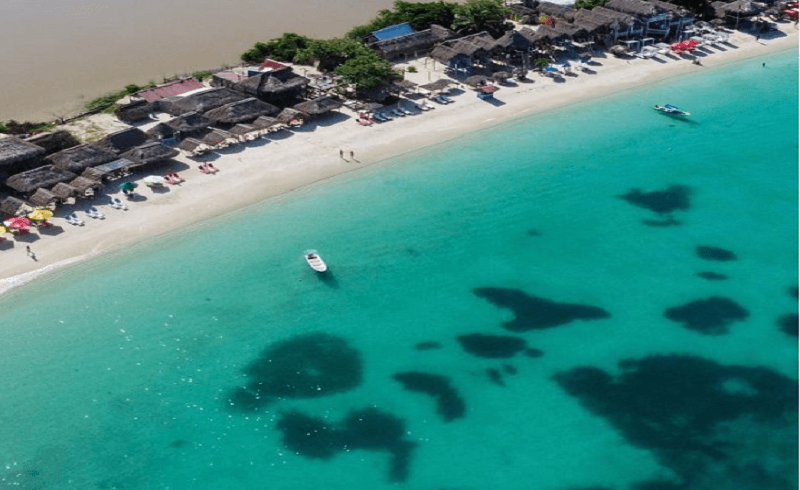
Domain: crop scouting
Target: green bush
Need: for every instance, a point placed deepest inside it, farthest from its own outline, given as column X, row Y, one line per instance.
column 412, row 69
column 283, row 48
column 419, row 15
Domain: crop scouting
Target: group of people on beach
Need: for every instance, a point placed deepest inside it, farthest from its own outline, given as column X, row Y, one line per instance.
column 341, row 155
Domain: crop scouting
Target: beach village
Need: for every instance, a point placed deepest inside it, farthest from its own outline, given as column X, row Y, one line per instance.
column 247, row 133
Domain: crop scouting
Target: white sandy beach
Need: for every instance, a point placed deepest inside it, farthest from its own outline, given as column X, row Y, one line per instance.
column 259, row 170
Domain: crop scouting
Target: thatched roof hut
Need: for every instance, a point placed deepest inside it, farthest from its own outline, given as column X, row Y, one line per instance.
column 204, row 101
column 161, row 131
column 122, row 141
column 513, row 41
column 54, row 141
column 64, row 192
column 151, row 152
column 436, row 86
column 216, row 137
column 266, row 122
column 188, row 124
column 116, row 168
column 95, row 173
column 553, row 9
column 45, row 176
column 278, row 87
column 319, row 106
column 412, row 43
column 190, row 145
column 245, row 110
column 289, row 114
column 477, row 81
column 633, row 7
column 77, row 158
column 86, row 187
column 242, row 129
column 18, row 154
column 44, row 198
column 14, row 206
column 135, row 110
column 447, row 55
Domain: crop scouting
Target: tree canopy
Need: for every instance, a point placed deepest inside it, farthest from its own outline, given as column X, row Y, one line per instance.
column 419, row 15
column 474, row 16
column 283, row 48
column 349, row 58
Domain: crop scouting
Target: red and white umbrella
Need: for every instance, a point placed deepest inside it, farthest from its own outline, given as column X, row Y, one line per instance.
column 17, row 222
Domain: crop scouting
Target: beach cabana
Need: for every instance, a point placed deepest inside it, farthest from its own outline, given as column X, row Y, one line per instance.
column 15, row 207
column 17, row 155
column 192, row 147
column 117, row 168
column 437, row 86
column 44, row 198
column 77, row 158
column 319, row 106
column 246, row 110
column 476, row 81
column 218, row 138
column 205, row 101
column 291, row 117
column 45, row 176
column 487, row 91
column 245, row 132
column 94, row 173
column 513, row 41
column 185, row 125
column 151, row 152
column 121, row 141
column 280, row 87
column 64, row 192
column 86, row 187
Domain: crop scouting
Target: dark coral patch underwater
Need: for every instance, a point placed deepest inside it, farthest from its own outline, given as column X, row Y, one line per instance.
column 715, row 253
column 673, row 198
column 789, row 324
column 491, row 346
column 715, row 426
column 305, row 366
column 712, row 276
column 533, row 313
column 449, row 403
column 368, row 429
column 710, row 316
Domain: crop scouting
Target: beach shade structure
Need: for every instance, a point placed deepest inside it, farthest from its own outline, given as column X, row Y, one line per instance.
column 437, row 86
column 86, row 187
column 80, row 157
column 192, row 146
column 319, row 106
column 40, row 215
column 121, row 141
column 501, row 76
column 290, row 117
column 152, row 180
column 476, row 81
column 152, row 152
column 241, row 111
column 44, row 198
column 14, row 206
column 65, row 193
column 128, row 186
column 45, row 176
column 17, row 223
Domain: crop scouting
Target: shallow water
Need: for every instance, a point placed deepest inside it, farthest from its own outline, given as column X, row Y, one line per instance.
column 199, row 360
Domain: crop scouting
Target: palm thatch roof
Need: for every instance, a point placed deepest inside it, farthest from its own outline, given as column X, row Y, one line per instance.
column 242, row 129
column 513, row 40
column 187, row 124
column 289, row 114
column 738, row 7
column 77, row 158
column 266, row 122
column 43, row 198
column 613, row 16
column 86, row 187
column 94, row 173
column 204, row 101
column 161, row 130
column 553, row 9
column 439, row 84
column 241, row 111
column 216, row 136
column 45, row 176
column 273, row 84
column 64, row 191
column 528, row 33
column 14, row 206
column 445, row 54
column 476, row 80
column 319, row 106
column 122, row 141
column 633, row 7
column 14, row 151
column 190, row 144
column 150, row 153
column 117, row 166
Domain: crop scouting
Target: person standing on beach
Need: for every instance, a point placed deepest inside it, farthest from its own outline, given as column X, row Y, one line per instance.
column 341, row 154
column 351, row 155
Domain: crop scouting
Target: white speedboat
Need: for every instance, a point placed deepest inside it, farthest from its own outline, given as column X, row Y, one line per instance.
column 315, row 261
column 671, row 110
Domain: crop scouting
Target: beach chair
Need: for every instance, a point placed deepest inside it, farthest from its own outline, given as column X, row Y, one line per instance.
column 377, row 116
column 211, row 168
column 117, row 203
column 74, row 219
column 204, row 168
column 95, row 213
column 387, row 116
column 398, row 112
column 447, row 99
column 406, row 111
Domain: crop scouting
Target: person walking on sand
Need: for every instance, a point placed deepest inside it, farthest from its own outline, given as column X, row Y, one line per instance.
column 30, row 252
column 341, row 154
column 352, row 157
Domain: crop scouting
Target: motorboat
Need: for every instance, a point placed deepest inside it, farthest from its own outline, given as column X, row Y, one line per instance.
column 670, row 110
column 315, row 261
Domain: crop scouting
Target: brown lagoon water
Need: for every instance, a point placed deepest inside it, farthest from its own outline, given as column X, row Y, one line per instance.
column 58, row 54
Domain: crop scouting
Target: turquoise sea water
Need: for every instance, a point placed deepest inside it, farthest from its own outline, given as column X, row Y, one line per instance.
column 603, row 360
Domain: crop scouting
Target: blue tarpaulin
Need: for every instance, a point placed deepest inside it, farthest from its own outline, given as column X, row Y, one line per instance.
column 391, row 32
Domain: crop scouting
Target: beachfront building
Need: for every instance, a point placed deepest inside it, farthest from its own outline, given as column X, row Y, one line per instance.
column 319, row 106
column 26, row 183
column 242, row 111
column 17, row 155
column 78, row 158
column 403, row 41
column 463, row 54
column 280, row 87
column 201, row 101
column 178, row 128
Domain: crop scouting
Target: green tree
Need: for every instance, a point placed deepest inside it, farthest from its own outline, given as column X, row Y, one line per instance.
column 365, row 71
column 283, row 48
column 419, row 15
column 474, row 16
column 589, row 4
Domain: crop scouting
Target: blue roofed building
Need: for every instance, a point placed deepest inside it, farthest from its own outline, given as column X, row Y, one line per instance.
column 402, row 40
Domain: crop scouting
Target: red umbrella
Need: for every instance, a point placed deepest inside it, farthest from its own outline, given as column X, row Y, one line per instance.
column 17, row 222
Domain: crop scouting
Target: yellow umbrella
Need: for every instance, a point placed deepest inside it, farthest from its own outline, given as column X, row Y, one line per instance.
column 41, row 215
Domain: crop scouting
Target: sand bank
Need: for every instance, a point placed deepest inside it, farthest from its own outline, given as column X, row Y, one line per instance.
column 256, row 171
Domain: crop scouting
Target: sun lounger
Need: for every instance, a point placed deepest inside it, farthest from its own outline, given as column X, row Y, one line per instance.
column 388, row 116
column 377, row 117
column 74, row 219
column 95, row 213
column 447, row 99
column 364, row 122
column 117, row 203
column 398, row 112
column 406, row 111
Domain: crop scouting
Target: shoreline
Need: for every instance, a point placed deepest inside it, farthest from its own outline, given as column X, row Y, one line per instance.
column 258, row 171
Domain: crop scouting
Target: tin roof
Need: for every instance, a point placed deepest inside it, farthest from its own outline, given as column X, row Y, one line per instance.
column 174, row 88
column 391, row 32
column 271, row 65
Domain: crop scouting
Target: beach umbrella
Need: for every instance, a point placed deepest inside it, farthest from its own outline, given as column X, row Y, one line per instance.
column 17, row 222
column 3, row 230
column 128, row 186
column 152, row 180
column 41, row 215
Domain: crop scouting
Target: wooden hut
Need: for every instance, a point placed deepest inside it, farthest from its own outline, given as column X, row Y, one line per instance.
column 28, row 181
column 513, row 41
column 278, row 87
column 244, row 132
column 183, row 126
column 64, row 192
column 217, row 138
column 121, row 141
column 15, row 207
column 411, row 44
column 192, row 147
column 54, row 141
column 77, row 158
column 291, row 117
column 266, row 124
column 202, row 102
column 44, row 198
column 96, row 174
column 319, row 106
column 151, row 152
column 86, row 187
column 17, row 155
column 246, row 110
column 117, row 168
